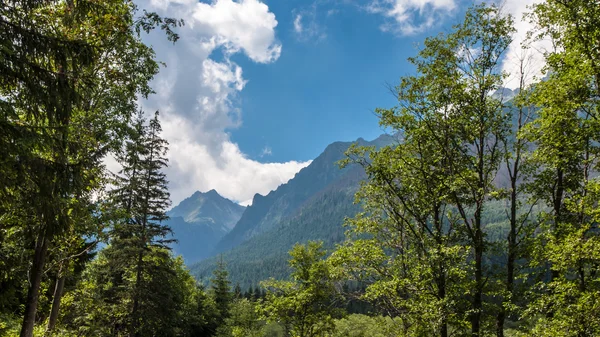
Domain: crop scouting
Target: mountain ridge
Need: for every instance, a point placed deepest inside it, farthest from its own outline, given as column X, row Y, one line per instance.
column 200, row 221
column 310, row 206
column 266, row 211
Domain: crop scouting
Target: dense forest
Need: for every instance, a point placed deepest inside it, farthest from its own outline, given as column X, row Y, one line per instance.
column 480, row 220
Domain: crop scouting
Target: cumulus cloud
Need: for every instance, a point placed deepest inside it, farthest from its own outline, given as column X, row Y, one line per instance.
column 247, row 25
column 197, row 94
column 521, row 51
column 408, row 17
column 230, row 172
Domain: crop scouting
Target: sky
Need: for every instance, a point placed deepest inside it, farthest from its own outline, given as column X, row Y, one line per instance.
column 255, row 90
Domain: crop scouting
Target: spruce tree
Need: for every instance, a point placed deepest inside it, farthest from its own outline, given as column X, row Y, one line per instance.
column 62, row 103
column 142, row 197
column 237, row 291
column 221, row 291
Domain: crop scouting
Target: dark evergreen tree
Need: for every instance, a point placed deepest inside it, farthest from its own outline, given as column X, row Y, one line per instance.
column 143, row 198
column 250, row 294
column 221, row 291
column 204, row 317
column 237, row 291
column 62, row 103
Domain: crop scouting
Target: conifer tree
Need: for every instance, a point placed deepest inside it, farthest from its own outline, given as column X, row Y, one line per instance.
column 237, row 291
column 143, row 198
column 220, row 290
column 62, row 104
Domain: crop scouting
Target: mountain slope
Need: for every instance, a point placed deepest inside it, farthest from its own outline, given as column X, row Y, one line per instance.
column 200, row 221
column 311, row 206
column 267, row 211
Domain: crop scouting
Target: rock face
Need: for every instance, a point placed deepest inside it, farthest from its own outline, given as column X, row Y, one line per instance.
column 200, row 221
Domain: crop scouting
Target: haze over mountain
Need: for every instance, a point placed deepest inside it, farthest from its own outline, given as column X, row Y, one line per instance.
column 311, row 206
column 200, row 221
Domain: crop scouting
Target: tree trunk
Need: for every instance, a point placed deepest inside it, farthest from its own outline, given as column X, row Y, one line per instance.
column 135, row 322
column 478, row 296
column 441, row 277
column 33, row 293
column 442, row 295
column 512, row 254
column 56, row 298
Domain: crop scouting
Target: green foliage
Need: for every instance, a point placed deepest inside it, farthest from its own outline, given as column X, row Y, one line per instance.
column 306, row 305
column 442, row 246
column 102, row 303
column 220, row 291
column 243, row 321
column 63, row 107
column 367, row 326
column 420, row 243
column 565, row 253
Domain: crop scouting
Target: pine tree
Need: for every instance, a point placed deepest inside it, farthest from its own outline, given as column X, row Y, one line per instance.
column 221, row 291
column 61, row 108
column 143, row 198
column 237, row 291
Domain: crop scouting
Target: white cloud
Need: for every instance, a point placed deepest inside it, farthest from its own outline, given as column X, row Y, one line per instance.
column 198, row 96
column 533, row 56
column 246, row 25
column 230, row 172
column 306, row 26
column 266, row 151
column 408, row 17
column 298, row 24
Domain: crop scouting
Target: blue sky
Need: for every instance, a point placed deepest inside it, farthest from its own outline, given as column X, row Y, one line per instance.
column 326, row 83
column 254, row 90
column 321, row 89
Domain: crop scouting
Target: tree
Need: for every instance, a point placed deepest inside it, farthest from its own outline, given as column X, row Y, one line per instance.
column 237, row 291
column 220, row 291
column 204, row 317
column 404, row 245
column 426, row 197
column 307, row 304
column 519, row 170
column 366, row 326
column 142, row 196
column 566, row 154
column 136, row 287
column 102, row 303
column 243, row 320
column 71, row 73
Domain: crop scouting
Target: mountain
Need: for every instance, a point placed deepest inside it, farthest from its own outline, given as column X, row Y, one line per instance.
column 200, row 221
column 311, row 206
column 505, row 94
column 267, row 211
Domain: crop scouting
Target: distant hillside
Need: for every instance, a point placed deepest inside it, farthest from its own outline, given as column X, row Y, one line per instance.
column 200, row 221
column 311, row 206
column 268, row 211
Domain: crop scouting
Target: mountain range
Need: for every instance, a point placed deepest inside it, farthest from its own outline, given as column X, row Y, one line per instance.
column 310, row 206
column 254, row 241
column 200, row 221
